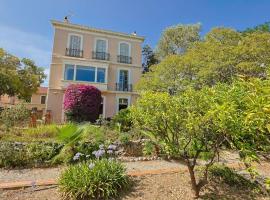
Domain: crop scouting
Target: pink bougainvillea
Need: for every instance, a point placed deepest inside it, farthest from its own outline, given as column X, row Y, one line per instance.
column 82, row 103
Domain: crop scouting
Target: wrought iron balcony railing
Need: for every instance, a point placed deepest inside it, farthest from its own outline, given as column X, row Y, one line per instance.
column 124, row 59
column 74, row 52
column 100, row 55
column 123, row 87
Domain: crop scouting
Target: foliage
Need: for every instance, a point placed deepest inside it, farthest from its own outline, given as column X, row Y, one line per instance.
column 122, row 120
column 201, row 122
column 42, row 131
column 149, row 58
column 14, row 116
column 16, row 154
column 148, row 148
column 177, row 39
column 100, row 179
column 19, row 77
column 124, row 138
column 230, row 177
column 81, row 103
column 267, row 184
column 222, row 56
column 259, row 28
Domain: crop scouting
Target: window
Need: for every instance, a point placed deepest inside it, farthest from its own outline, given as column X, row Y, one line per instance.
column 43, row 99
column 122, row 103
column 101, row 75
column 84, row 73
column 69, row 72
column 124, row 49
column 101, row 108
column 101, row 46
column 75, row 42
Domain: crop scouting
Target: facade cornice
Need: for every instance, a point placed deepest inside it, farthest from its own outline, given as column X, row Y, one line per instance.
column 65, row 25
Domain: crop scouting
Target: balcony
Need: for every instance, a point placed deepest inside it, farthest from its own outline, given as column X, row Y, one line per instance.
column 124, row 59
column 100, row 55
column 74, row 53
column 123, row 87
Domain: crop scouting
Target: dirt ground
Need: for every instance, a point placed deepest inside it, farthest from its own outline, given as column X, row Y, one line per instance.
column 155, row 187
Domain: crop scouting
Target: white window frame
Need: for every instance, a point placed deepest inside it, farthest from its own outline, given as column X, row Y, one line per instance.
column 75, row 34
column 41, row 99
column 95, row 44
column 96, row 66
column 128, row 97
column 129, row 47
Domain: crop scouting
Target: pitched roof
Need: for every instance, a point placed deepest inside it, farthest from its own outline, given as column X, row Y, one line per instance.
column 42, row 90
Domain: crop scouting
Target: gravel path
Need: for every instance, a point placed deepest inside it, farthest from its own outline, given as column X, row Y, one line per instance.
column 53, row 173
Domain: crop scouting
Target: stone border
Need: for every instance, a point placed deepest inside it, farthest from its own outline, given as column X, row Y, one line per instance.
column 24, row 184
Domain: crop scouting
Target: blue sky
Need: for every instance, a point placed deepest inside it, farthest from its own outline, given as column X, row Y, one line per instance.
column 25, row 29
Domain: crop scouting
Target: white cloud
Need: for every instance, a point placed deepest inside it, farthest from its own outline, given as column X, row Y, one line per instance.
column 28, row 45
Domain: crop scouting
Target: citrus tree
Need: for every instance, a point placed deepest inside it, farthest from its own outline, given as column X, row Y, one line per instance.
column 198, row 123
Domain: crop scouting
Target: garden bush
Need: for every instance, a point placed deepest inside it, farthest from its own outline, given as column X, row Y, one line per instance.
column 122, row 121
column 82, row 103
column 43, row 131
column 18, row 154
column 17, row 115
column 233, row 179
column 99, row 179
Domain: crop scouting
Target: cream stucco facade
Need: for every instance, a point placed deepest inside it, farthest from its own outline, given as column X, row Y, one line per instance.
column 110, row 61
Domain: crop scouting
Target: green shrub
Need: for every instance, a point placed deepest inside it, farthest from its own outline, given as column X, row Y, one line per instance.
column 100, row 179
column 148, row 148
column 124, row 138
column 43, row 131
column 267, row 184
column 122, row 121
column 17, row 115
column 232, row 178
column 17, row 154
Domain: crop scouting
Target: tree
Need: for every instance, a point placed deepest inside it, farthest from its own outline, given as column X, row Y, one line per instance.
column 82, row 103
column 199, row 123
column 223, row 55
column 19, row 77
column 177, row 39
column 170, row 75
column 149, row 58
column 259, row 28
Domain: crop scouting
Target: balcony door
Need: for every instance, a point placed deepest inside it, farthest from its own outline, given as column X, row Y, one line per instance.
column 123, row 80
column 75, row 46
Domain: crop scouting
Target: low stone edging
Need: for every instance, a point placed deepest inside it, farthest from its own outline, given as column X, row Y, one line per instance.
column 24, row 184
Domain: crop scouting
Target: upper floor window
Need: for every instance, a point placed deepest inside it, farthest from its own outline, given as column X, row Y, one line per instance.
column 74, row 48
column 124, row 49
column 101, row 46
column 124, row 53
column 43, row 99
column 75, row 42
column 85, row 73
column 101, row 49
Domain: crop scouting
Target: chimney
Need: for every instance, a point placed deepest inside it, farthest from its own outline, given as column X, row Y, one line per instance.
column 66, row 19
column 134, row 33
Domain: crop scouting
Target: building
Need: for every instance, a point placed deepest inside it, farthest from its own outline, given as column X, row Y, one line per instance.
column 110, row 61
column 37, row 102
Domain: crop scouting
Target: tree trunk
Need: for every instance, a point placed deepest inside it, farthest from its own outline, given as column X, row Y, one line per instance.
column 195, row 187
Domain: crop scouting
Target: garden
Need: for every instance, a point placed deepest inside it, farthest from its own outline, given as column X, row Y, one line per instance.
column 200, row 129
